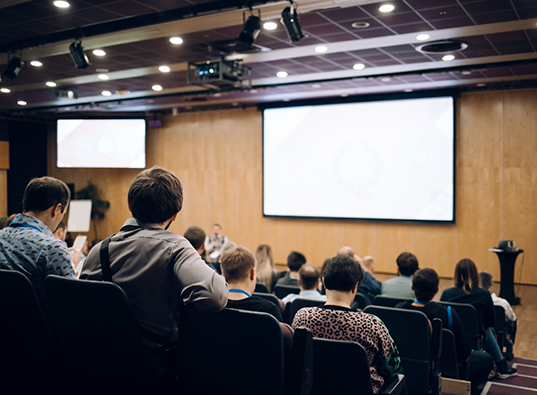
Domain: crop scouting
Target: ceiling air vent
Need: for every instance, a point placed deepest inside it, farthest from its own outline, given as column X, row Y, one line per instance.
column 442, row 46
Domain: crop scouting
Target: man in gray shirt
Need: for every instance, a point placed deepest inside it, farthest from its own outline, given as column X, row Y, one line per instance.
column 159, row 271
column 401, row 286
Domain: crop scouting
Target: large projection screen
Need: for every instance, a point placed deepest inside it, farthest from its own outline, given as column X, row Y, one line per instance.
column 389, row 160
column 101, row 143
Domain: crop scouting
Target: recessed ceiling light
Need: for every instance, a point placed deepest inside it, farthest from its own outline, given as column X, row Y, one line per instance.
column 253, row 91
column 270, row 25
column 164, row 69
column 157, row 88
column 422, row 37
column 5, row 90
column 217, row 95
column 386, row 8
column 409, row 90
column 321, row 49
column 106, row 93
column 466, row 72
column 358, row 66
column 176, row 40
column 61, row 4
column 447, row 58
column 360, row 25
column 316, row 86
column 21, row 103
column 344, row 95
column 103, row 77
column 99, row 52
column 481, row 85
column 385, row 79
column 36, row 63
column 123, row 92
column 50, row 83
column 285, row 100
column 281, row 74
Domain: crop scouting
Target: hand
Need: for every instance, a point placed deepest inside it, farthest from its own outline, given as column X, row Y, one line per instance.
column 75, row 256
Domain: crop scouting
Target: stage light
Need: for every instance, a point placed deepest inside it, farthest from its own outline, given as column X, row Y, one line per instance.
column 13, row 68
column 79, row 57
column 291, row 23
column 251, row 29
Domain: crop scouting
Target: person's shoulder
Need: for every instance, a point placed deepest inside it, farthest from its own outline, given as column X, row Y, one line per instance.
column 407, row 304
column 450, row 292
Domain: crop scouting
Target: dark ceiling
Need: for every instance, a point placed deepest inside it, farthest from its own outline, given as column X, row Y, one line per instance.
column 501, row 34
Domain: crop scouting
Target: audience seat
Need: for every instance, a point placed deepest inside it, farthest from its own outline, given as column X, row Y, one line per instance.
column 501, row 329
column 359, row 302
column 259, row 287
column 468, row 316
column 281, row 291
column 234, row 351
column 448, row 359
column 299, row 364
column 418, row 343
column 99, row 335
column 270, row 297
column 300, row 303
column 387, row 301
column 341, row 367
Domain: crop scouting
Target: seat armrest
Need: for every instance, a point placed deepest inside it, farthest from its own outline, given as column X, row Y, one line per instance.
column 394, row 386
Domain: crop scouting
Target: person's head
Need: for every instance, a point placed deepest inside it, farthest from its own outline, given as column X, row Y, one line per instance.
column 46, row 196
column 225, row 248
column 342, row 273
column 369, row 263
column 217, row 229
column 264, row 253
column 407, row 263
column 61, row 231
column 346, row 250
column 485, row 279
column 308, row 277
column 295, row 260
column 155, row 196
column 238, row 266
column 466, row 276
column 425, row 284
column 196, row 236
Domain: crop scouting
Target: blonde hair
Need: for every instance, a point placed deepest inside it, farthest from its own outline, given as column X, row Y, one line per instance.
column 266, row 269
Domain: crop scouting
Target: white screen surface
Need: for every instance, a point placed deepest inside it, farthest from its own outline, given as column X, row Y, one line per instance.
column 101, row 143
column 370, row 160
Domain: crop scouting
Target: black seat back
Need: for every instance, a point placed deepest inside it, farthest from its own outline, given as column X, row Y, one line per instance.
column 359, row 301
column 468, row 316
column 270, row 297
column 387, row 301
column 299, row 367
column 500, row 326
column 281, row 291
column 448, row 360
column 239, row 351
column 300, row 303
column 260, row 287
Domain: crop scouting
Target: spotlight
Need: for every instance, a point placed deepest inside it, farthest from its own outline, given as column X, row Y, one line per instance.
column 79, row 57
column 251, row 29
column 291, row 23
column 13, row 67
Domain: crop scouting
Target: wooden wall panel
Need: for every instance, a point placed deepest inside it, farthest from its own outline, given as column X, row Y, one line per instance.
column 4, row 155
column 3, row 193
column 217, row 155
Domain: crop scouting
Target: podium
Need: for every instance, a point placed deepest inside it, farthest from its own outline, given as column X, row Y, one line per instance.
column 507, row 270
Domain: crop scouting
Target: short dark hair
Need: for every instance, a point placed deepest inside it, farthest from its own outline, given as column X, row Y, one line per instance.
column 237, row 263
column 295, row 260
column 43, row 193
column 425, row 283
column 155, row 195
column 309, row 276
column 407, row 263
column 485, row 279
column 342, row 273
column 196, row 236
column 466, row 277
column 61, row 225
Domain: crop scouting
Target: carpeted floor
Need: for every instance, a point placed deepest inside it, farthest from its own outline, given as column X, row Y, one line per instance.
column 524, row 383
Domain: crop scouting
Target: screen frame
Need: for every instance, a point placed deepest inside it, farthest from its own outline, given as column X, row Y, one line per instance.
column 454, row 94
column 100, row 118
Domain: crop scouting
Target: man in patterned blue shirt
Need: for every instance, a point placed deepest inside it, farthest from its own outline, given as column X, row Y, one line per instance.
column 28, row 245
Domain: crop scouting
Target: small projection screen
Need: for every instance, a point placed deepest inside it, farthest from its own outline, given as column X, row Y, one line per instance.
column 390, row 160
column 101, row 143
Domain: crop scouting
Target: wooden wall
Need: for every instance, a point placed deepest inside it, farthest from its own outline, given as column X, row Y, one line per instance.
column 4, row 167
column 217, row 155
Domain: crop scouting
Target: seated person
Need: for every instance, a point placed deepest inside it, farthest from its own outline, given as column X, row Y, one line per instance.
column 401, row 286
column 295, row 260
column 196, row 237
column 238, row 268
column 336, row 320
column 370, row 283
column 425, row 285
column 309, row 277
column 369, row 287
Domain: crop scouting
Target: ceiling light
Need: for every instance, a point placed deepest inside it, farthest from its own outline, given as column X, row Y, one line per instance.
column 103, row 77
column 164, row 69
column 316, row 86
column 157, row 88
column 77, row 54
column 21, row 103
column 106, row 93
column 291, row 23
column 480, row 85
column 253, row 90
column 281, row 74
column 321, row 49
column 447, row 58
column 5, row 90
column 99, row 52
column 358, row 66
column 409, row 90
column 13, row 67
column 176, row 40
column 442, row 46
column 61, row 4
column 250, row 30
column 360, row 25
column 385, row 79
column 270, row 25
column 50, row 83
column 386, row 8
column 36, row 63
column 422, row 37
column 466, row 72
column 344, row 95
